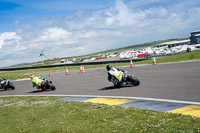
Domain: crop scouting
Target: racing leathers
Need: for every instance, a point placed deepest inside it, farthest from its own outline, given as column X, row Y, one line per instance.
column 38, row 81
column 1, row 82
column 115, row 75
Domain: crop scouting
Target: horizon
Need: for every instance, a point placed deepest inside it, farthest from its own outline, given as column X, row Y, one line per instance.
column 25, row 63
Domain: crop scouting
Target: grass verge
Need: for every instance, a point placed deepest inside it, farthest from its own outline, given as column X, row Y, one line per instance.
column 46, row 114
column 18, row 74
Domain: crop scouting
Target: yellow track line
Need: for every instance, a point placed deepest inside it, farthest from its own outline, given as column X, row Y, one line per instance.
column 22, row 79
column 108, row 101
column 192, row 110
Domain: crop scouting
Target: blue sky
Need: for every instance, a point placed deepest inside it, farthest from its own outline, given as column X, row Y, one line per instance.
column 30, row 11
column 64, row 28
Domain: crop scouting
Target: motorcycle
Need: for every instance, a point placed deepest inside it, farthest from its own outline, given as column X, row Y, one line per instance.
column 6, row 84
column 127, row 80
column 46, row 86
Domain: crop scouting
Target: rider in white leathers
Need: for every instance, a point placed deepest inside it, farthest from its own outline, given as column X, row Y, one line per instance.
column 114, row 75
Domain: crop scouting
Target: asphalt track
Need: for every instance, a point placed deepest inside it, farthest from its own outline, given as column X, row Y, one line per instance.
column 172, row 81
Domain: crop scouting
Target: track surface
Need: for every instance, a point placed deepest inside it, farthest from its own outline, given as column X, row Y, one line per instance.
column 175, row 81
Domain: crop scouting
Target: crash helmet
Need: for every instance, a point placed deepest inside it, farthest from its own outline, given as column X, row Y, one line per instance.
column 108, row 67
column 32, row 76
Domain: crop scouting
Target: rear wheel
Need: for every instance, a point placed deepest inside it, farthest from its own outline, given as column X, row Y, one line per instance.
column 6, row 88
column 43, row 88
column 135, row 81
column 118, row 85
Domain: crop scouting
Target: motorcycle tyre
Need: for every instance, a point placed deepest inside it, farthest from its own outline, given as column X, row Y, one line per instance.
column 43, row 88
column 6, row 88
column 51, row 86
column 135, row 81
column 11, row 86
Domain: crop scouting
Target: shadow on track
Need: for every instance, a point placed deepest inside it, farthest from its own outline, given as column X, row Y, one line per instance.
column 6, row 90
column 108, row 88
column 37, row 91
column 112, row 87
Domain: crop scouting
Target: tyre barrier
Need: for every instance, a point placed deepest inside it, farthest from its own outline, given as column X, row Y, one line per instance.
column 73, row 64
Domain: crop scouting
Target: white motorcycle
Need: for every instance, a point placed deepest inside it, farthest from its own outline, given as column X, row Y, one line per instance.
column 6, row 84
column 127, row 80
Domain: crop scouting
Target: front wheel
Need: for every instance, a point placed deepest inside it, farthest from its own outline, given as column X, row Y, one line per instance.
column 11, row 86
column 135, row 81
column 51, row 86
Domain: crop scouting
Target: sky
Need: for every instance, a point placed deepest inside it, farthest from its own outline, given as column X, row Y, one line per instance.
column 65, row 28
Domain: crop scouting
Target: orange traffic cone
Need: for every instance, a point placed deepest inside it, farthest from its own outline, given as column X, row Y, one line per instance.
column 83, row 70
column 50, row 74
column 154, row 60
column 67, row 71
column 131, row 63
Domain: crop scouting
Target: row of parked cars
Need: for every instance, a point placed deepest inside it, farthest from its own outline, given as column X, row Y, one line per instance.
column 141, row 53
column 158, row 51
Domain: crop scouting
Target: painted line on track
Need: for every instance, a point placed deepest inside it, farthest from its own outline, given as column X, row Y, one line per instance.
column 108, row 101
column 22, row 79
column 192, row 110
column 181, row 107
column 121, row 97
column 161, row 105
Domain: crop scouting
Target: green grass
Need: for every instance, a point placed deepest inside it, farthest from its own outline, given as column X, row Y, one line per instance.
column 18, row 74
column 46, row 114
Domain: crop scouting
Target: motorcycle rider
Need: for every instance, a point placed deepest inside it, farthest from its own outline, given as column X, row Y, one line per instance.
column 115, row 75
column 37, row 81
column 1, row 82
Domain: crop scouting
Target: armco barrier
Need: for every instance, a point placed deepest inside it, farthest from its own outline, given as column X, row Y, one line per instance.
column 73, row 64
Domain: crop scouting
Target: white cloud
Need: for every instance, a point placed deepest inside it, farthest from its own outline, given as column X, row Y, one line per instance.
column 9, row 38
column 54, row 36
column 119, row 15
column 88, row 34
column 89, row 31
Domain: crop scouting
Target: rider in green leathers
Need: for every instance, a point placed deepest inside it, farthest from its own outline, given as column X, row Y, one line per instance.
column 37, row 81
